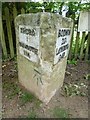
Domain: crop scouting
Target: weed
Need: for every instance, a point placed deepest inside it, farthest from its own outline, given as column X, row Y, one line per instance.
column 74, row 62
column 60, row 113
column 26, row 97
column 15, row 90
column 87, row 77
column 12, row 88
column 32, row 115
column 37, row 103
column 72, row 90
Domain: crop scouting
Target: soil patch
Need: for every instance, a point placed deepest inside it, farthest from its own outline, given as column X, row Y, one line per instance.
column 71, row 99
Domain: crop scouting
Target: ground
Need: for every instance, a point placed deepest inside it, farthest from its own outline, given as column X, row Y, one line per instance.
column 71, row 101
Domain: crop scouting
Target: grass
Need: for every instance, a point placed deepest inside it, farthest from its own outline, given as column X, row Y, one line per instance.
column 32, row 115
column 37, row 103
column 60, row 113
column 12, row 88
column 29, row 97
column 14, row 92
column 26, row 97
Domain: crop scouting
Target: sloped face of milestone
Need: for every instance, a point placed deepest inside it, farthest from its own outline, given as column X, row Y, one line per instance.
column 43, row 41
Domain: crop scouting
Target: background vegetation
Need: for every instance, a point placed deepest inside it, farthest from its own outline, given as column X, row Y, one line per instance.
column 73, row 11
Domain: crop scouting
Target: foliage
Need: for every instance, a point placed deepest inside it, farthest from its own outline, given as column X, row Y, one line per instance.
column 74, row 62
column 73, row 12
column 47, row 6
column 74, row 7
column 85, row 6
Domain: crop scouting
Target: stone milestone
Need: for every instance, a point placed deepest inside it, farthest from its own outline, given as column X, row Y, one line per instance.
column 43, row 41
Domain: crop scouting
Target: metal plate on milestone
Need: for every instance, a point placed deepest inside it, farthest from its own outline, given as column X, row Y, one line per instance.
column 29, row 42
column 62, row 44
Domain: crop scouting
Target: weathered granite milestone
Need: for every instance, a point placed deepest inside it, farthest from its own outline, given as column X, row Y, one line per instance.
column 43, row 41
